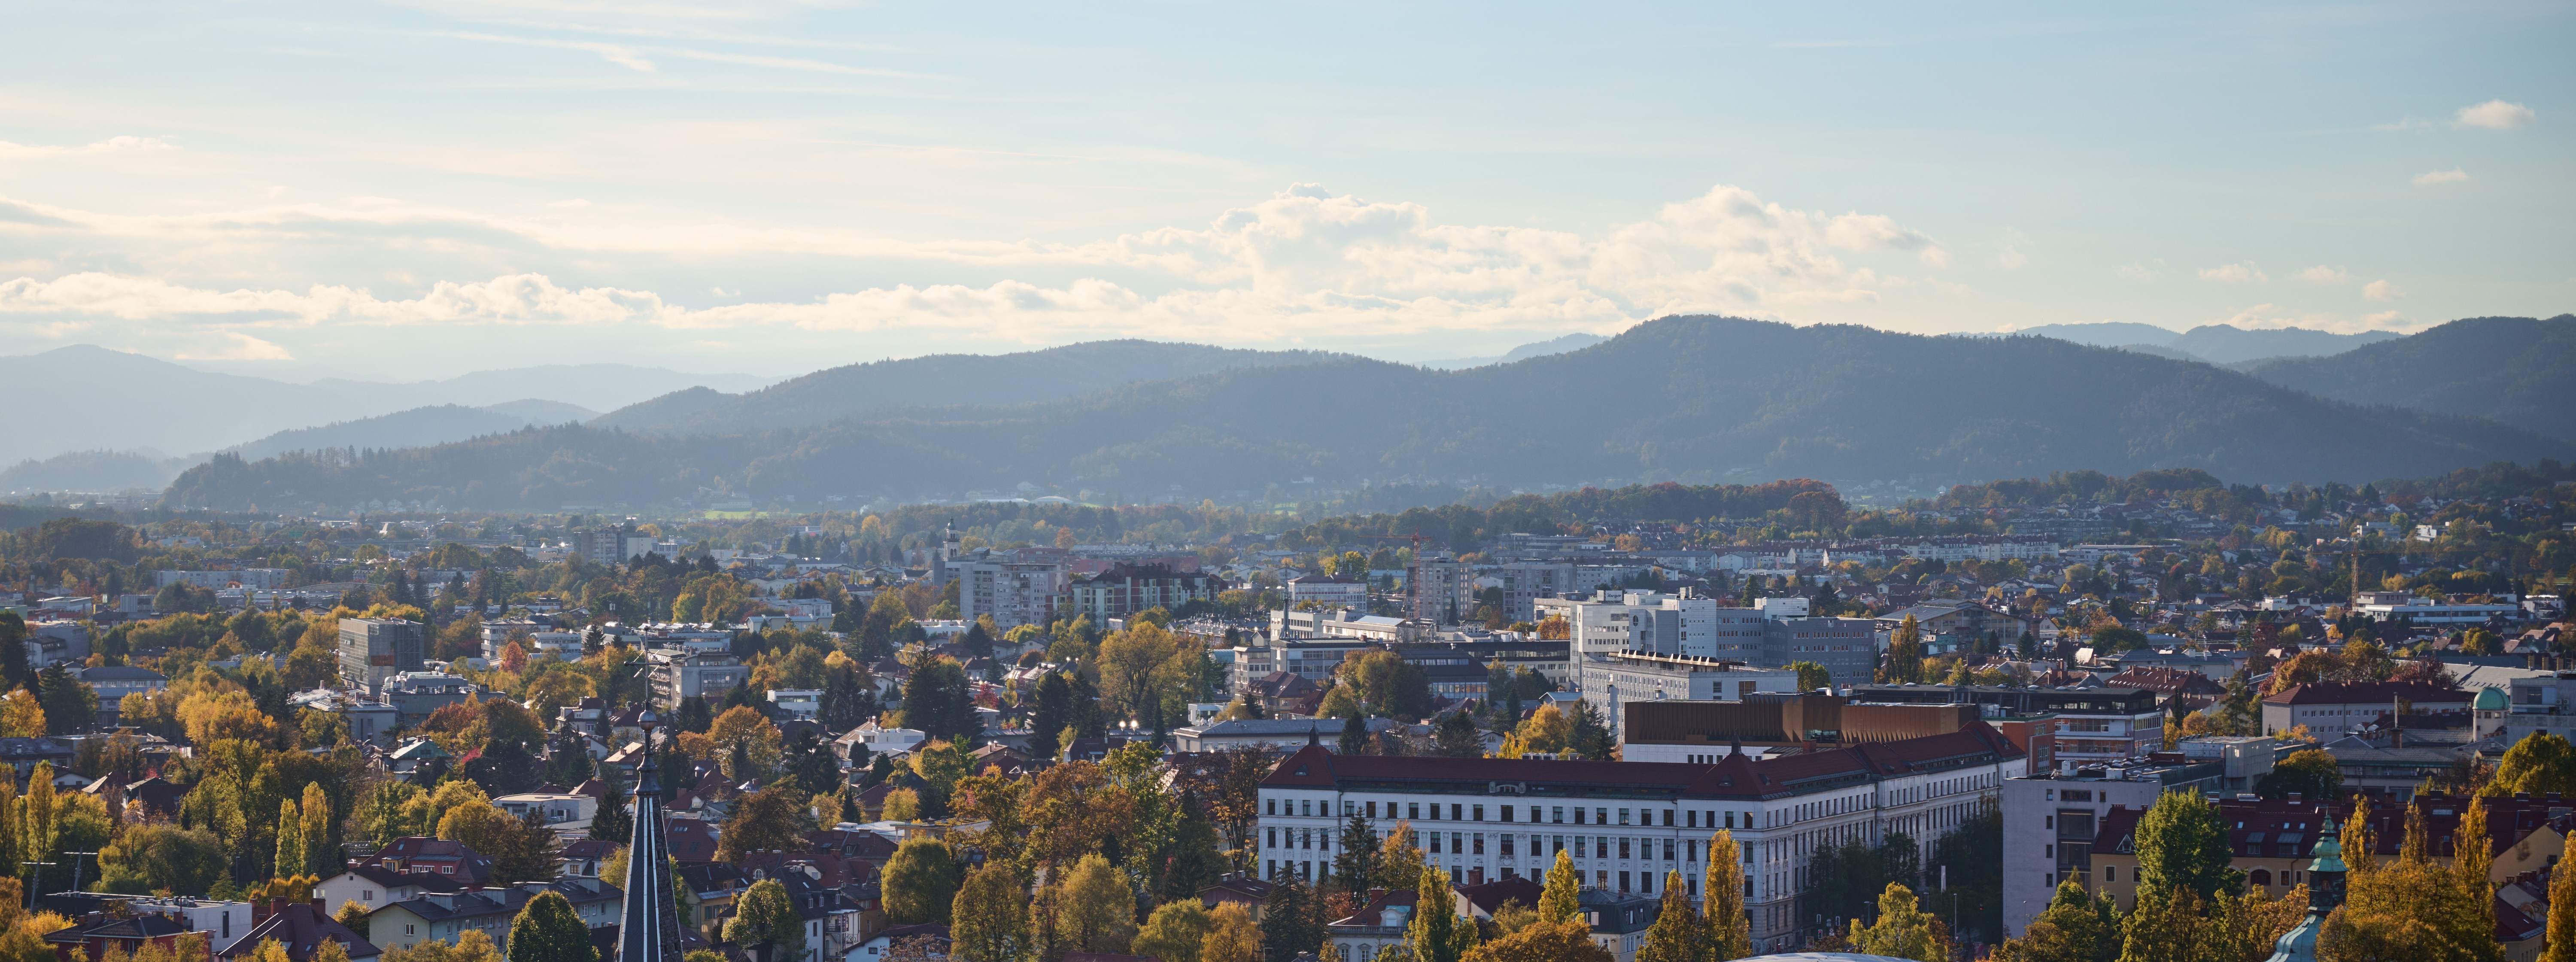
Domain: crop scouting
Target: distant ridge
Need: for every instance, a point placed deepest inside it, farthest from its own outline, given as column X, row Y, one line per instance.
column 2220, row 344
column 1670, row 399
column 1556, row 345
column 2516, row 370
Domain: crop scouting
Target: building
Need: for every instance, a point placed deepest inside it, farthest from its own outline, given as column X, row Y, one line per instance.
column 258, row 578
column 2334, row 707
column 610, row 546
column 1014, row 593
column 1700, row 732
column 2418, row 610
column 1328, row 591
column 682, row 673
column 300, row 929
column 1610, row 682
column 1773, row 634
column 551, row 808
column 1439, row 588
column 1268, row 734
column 446, row 917
column 2053, row 819
column 1124, row 589
column 1625, row 824
column 1524, row 582
column 372, row 885
column 2087, row 727
column 2267, row 839
column 1846, row 647
column 56, row 641
column 415, row 695
column 795, row 703
column 113, row 682
column 375, row 649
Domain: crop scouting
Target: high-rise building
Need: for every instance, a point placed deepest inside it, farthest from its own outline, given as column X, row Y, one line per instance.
column 375, row 649
column 1442, row 587
column 1015, row 593
column 612, row 545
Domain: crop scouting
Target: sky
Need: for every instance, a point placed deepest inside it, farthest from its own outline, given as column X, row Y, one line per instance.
column 427, row 188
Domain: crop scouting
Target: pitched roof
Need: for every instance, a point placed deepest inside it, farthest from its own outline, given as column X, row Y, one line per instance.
column 2367, row 693
column 300, row 928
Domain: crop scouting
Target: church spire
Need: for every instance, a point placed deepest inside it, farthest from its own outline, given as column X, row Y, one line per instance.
column 650, row 931
column 2325, row 892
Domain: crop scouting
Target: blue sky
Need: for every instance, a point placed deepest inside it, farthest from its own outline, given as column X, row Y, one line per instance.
column 438, row 187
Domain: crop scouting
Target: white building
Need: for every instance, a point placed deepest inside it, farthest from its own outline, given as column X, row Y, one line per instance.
column 1328, row 591
column 1608, row 682
column 804, row 703
column 2416, row 609
column 1626, row 824
column 1015, row 593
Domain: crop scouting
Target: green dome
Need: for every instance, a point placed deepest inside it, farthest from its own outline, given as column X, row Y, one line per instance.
column 2490, row 699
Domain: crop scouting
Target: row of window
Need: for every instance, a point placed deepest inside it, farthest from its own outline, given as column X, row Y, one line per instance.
column 1473, row 843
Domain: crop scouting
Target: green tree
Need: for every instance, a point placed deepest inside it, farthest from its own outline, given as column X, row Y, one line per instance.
column 69, row 705
column 1456, row 737
column 1356, row 865
column 989, row 920
column 920, row 882
column 290, row 839
column 1174, row 932
column 1811, row 676
column 2540, row 763
column 2181, row 842
column 765, row 915
column 1094, row 910
column 1291, row 921
column 1678, row 934
column 549, row 930
column 2559, row 942
column 1557, row 900
column 1435, row 933
column 1591, row 738
column 2312, row 774
column 1903, row 930
column 2077, row 926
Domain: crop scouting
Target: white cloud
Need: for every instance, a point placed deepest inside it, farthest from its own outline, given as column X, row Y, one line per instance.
column 1305, row 259
column 2139, row 273
column 2432, row 177
column 2236, row 273
column 2275, row 316
column 114, row 145
column 2494, row 114
column 2381, row 290
column 2383, row 319
column 2013, row 251
column 2322, row 274
column 237, row 346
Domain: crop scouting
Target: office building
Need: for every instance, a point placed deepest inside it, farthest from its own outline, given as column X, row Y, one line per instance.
column 375, row 649
column 1014, row 593
column 1609, row 683
column 2088, row 727
column 1766, row 725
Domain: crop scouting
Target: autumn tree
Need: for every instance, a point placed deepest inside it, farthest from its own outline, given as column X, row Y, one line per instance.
column 989, row 919
column 2182, row 842
column 1175, row 932
column 1730, row 930
column 1902, row 930
column 920, row 882
column 548, row 929
column 2077, row 926
column 766, row 915
column 1436, row 934
column 1232, row 935
column 1678, row 934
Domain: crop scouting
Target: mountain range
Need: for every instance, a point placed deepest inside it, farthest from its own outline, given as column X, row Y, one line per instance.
column 2215, row 343
column 157, row 409
column 1679, row 398
column 2511, row 369
column 1559, row 345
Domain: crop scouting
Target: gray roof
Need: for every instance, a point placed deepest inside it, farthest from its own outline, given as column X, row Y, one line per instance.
column 1269, row 727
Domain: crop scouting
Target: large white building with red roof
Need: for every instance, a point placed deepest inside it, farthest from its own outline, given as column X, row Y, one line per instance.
column 1628, row 823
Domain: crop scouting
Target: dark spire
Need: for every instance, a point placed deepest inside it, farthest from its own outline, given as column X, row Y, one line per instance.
column 1312, row 738
column 650, row 931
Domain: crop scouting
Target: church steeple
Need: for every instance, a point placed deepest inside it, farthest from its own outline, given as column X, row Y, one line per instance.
column 2325, row 892
column 650, row 931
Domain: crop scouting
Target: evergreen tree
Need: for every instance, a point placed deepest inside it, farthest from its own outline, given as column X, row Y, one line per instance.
column 1290, row 921
column 1591, row 737
column 1053, row 713
column 1456, row 737
column 1354, row 739
column 69, row 705
column 1356, row 865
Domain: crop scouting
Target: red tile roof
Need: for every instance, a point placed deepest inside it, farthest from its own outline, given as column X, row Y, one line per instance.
column 1735, row 776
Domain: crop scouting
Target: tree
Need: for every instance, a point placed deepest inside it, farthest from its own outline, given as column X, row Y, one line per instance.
column 1354, row 739
column 1677, row 934
column 1176, row 932
column 2559, row 944
column 2181, row 842
column 156, row 856
column 1456, row 737
column 1053, row 713
column 1568, row 940
column 1811, row 676
column 1904, row 654
column 764, row 915
column 1356, row 863
column 771, row 819
column 2311, row 773
column 902, row 805
column 2077, row 926
column 22, row 715
column 2540, row 763
column 989, row 920
column 1232, row 935
column 1903, row 930
column 1435, row 934
column 318, row 842
column 1398, row 857
column 936, row 701
column 1590, row 738
column 1730, row 931
column 920, row 882
column 549, row 930
column 1558, row 900
column 1092, row 909
column 69, row 705
column 290, row 839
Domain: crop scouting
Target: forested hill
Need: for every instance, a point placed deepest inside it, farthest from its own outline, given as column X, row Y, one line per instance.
column 2511, row 369
column 1694, row 399
column 1052, row 374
